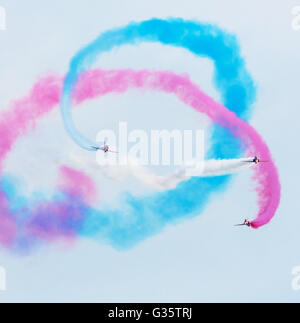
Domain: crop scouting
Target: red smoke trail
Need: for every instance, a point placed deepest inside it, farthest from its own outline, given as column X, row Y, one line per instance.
column 45, row 95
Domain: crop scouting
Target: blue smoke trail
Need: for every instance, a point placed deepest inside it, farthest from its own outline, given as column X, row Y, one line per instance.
column 139, row 217
column 142, row 217
column 231, row 77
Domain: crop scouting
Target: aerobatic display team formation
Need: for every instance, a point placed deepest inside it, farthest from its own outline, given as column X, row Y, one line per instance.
column 70, row 212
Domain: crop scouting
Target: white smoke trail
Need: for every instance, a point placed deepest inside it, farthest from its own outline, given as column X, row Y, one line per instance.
column 143, row 174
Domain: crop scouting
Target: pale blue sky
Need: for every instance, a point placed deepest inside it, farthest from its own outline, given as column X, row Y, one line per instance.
column 202, row 259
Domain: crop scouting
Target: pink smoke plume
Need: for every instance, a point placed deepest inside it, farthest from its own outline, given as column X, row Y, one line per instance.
column 45, row 95
column 8, row 228
column 77, row 184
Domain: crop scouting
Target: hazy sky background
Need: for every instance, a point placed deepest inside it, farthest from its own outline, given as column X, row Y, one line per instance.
column 201, row 259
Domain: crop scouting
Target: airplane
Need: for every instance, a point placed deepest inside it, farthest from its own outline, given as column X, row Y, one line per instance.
column 256, row 160
column 246, row 222
column 105, row 148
